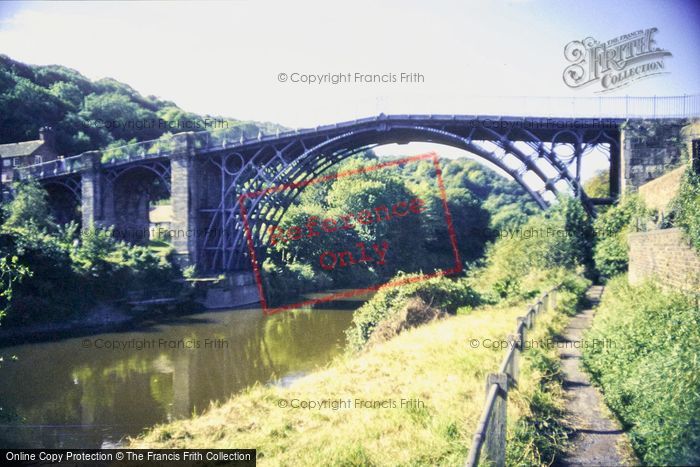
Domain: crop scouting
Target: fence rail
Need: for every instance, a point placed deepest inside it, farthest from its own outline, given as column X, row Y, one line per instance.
column 686, row 106
column 586, row 107
column 490, row 435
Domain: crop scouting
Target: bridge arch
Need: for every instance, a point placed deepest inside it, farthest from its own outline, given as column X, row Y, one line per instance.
column 129, row 193
column 64, row 198
column 275, row 168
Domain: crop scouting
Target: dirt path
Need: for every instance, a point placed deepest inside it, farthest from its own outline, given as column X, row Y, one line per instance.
column 598, row 439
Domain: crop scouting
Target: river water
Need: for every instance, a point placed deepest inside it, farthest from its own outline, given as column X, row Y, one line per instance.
column 93, row 390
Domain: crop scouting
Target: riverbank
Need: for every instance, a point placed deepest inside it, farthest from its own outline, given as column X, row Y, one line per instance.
column 102, row 318
column 107, row 386
column 415, row 399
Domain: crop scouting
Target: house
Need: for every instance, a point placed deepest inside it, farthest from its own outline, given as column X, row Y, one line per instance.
column 16, row 155
column 160, row 218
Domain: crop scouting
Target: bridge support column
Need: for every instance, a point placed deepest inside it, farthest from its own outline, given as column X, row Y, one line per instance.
column 616, row 180
column 183, row 195
column 650, row 148
column 91, row 186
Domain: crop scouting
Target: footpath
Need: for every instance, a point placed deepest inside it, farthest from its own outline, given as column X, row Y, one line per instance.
column 598, row 439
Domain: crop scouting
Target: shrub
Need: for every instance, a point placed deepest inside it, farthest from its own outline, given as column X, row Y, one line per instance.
column 29, row 207
column 647, row 364
column 53, row 290
column 285, row 282
column 546, row 245
column 686, row 207
column 611, row 229
column 440, row 293
column 68, row 277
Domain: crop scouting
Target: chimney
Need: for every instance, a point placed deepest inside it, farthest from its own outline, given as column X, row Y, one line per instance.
column 46, row 134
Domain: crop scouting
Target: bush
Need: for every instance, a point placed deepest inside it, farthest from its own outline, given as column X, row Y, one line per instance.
column 440, row 293
column 611, row 229
column 285, row 282
column 686, row 207
column 67, row 277
column 29, row 207
column 539, row 251
column 53, row 291
column 647, row 364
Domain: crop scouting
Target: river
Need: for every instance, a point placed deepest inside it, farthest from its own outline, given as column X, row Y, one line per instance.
column 92, row 391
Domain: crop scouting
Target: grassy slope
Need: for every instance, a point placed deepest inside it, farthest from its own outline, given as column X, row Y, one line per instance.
column 434, row 363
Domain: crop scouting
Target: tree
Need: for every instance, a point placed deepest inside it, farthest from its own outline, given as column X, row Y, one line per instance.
column 10, row 273
column 29, row 208
column 598, row 186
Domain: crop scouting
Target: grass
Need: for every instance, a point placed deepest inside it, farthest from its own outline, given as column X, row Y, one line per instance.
column 434, row 363
column 649, row 370
column 159, row 247
column 540, row 434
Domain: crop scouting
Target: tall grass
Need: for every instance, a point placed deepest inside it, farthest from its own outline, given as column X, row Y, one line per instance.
column 649, row 369
column 434, row 363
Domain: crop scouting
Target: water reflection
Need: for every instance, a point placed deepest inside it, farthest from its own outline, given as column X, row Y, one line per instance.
column 72, row 394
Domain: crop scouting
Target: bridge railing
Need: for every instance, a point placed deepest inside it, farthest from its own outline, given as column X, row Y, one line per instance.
column 687, row 106
column 166, row 145
column 52, row 168
column 490, row 436
column 651, row 107
column 227, row 138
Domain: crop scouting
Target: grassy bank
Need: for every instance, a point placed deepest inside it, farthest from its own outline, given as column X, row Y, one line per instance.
column 649, row 368
column 435, row 364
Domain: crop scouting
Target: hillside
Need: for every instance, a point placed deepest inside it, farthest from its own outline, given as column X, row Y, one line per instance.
column 89, row 114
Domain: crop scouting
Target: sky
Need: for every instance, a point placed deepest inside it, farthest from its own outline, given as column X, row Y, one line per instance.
column 226, row 57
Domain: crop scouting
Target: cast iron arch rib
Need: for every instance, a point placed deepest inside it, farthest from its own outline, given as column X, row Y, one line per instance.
column 229, row 247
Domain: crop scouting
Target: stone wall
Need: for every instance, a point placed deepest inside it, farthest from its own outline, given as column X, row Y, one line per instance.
column 665, row 255
column 659, row 193
column 650, row 148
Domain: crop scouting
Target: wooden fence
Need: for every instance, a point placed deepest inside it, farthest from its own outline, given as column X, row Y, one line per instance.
column 490, row 436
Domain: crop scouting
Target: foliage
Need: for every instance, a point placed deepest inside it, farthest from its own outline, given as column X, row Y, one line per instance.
column 420, row 243
column 10, row 273
column 611, row 228
column 64, row 272
column 442, row 293
column 646, row 363
column 598, row 186
column 86, row 114
column 29, row 207
column 547, row 244
column 686, row 207
column 507, row 202
column 577, row 225
column 285, row 282
column 189, row 272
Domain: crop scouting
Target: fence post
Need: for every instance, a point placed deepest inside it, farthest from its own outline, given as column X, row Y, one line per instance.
column 514, row 341
column 522, row 333
column 495, row 440
column 490, row 435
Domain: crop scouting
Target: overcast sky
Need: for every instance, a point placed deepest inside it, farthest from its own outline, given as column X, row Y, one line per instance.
column 225, row 58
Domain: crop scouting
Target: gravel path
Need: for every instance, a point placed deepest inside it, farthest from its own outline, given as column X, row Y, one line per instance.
column 598, row 439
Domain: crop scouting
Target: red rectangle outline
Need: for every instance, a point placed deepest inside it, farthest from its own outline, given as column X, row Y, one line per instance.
column 457, row 268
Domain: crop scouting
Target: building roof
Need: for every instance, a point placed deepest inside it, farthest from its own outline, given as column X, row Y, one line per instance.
column 161, row 214
column 25, row 148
